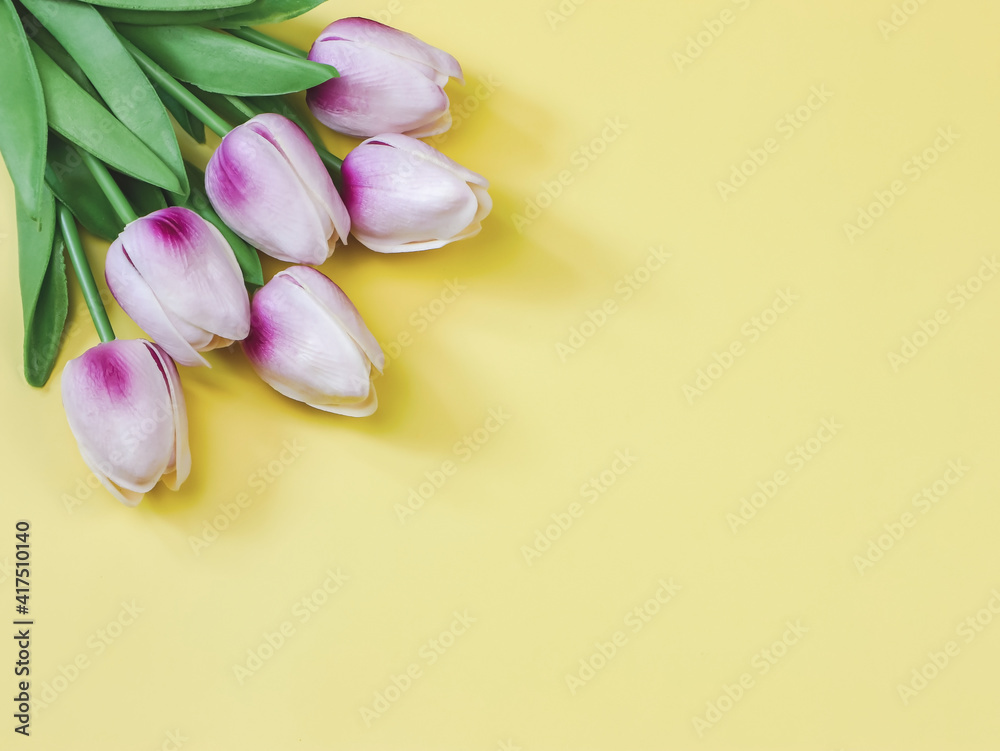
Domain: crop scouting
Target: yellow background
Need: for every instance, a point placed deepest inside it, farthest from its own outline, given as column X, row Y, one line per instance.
column 860, row 625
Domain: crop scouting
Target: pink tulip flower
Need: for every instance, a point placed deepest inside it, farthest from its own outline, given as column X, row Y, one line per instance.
column 404, row 195
column 176, row 276
column 125, row 406
column 269, row 185
column 390, row 81
column 308, row 342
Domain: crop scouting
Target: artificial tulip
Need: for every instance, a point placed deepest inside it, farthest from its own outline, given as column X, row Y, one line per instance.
column 308, row 342
column 404, row 195
column 126, row 409
column 389, row 82
column 269, row 185
column 176, row 276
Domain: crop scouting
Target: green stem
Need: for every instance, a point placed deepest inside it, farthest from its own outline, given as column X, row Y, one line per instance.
column 242, row 107
column 178, row 91
column 333, row 163
column 109, row 187
column 263, row 40
column 78, row 259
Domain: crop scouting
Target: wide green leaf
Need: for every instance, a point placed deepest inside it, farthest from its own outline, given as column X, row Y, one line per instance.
column 43, row 342
column 170, row 5
column 97, row 49
column 188, row 122
column 63, row 59
column 266, row 11
column 254, row 14
column 75, row 186
column 198, row 202
column 44, row 298
column 76, row 116
column 22, row 123
column 224, row 64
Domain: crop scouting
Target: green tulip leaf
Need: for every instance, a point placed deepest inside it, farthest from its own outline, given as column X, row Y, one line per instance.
column 223, row 64
column 22, row 126
column 74, row 185
column 171, row 5
column 45, row 338
column 44, row 297
column 97, row 49
column 198, row 202
column 188, row 122
column 267, row 11
column 256, row 13
column 62, row 58
column 79, row 118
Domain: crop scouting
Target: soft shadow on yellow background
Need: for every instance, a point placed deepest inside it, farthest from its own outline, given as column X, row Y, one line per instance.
column 694, row 459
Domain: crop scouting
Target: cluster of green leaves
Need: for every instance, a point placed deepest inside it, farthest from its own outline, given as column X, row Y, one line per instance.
column 102, row 77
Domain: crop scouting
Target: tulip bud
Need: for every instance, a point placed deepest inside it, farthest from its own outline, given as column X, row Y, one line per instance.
column 404, row 195
column 125, row 406
column 390, row 81
column 176, row 276
column 269, row 185
column 308, row 342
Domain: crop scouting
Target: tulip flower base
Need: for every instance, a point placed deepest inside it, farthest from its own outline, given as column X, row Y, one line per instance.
column 87, row 114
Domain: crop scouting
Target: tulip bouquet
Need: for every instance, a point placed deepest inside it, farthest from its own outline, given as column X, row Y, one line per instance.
column 90, row 94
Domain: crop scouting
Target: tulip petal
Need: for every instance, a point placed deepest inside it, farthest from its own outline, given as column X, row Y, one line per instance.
column 399, row 43
column 331, row 298
column 384, row 246
column 104, row 391
column 375, row 93
column 485, row 206
column 126, row 496
column 441, row 125
column 301, row 155
column 257, row 193
column 356, row 409
column 136, row 297
column 424, row 151
column 175, row 476
column 474, row 228
column 485, row 203
column 189, row 266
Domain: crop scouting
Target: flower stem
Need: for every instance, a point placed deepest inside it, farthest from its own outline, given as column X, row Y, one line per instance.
column 78, row 259
column 333, row 163
column 178, row 91
column 110, row 188
column 263, row 40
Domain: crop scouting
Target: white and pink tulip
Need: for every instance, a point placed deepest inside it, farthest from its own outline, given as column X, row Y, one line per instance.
column 308, row 342
column 125, row 406
column 389, row 82
column 404, row 195
column 269, row 185
column 177, row 278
